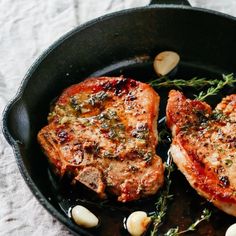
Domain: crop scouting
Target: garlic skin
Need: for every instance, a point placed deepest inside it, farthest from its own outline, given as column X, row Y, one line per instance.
column 137, row 223
column 83, row 217
column 165, row 62
column 231, row 231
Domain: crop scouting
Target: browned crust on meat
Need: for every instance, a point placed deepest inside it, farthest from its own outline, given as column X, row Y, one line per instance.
column 228, row 107
column 204, row 149
column 179, row 111
column 103, row 131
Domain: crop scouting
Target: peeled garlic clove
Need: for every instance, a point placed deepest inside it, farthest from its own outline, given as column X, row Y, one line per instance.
column 83, row 217
column 137, row 223
column 231, row 231
column 165, row 62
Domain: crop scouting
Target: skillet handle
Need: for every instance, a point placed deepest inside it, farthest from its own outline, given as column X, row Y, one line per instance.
column 176, row 2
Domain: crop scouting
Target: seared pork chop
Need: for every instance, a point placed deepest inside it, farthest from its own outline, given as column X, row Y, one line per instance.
column 204, row 147
column 103, row 131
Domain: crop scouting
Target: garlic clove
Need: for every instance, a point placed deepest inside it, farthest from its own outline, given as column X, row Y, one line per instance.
column 83, row 217
column 137, row 223
column 231, row 231
column 165, row 62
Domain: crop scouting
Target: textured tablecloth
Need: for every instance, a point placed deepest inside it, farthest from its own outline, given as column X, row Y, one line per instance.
column 27, row 27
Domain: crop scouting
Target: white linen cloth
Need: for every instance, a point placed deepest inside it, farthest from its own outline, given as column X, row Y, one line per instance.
column 27, row 27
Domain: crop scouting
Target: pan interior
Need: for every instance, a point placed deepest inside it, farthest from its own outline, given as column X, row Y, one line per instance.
column 186, row 205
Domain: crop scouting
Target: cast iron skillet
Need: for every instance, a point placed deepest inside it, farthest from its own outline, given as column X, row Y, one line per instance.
column 122, row 43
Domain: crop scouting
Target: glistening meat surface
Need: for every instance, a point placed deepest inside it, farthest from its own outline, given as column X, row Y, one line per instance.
column 103, row 131
column 204, row 146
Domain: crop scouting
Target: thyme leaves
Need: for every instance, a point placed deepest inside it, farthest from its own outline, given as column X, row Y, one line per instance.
column 216, row 85
column 164, row 197
column 206, row 214
column 161, row 207
column 195, row 82
column 227, row 80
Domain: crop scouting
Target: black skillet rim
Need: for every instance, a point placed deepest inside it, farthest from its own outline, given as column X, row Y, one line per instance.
column 14, row 143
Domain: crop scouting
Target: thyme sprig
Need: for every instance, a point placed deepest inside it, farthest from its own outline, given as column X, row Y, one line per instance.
column 195, row 82
column 206, row 214
column 164, row 197
column 228, row 80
